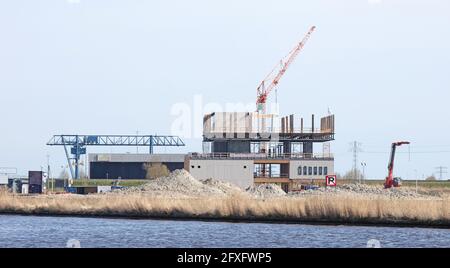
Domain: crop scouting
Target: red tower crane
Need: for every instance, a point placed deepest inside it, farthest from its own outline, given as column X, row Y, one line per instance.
column 272, row 80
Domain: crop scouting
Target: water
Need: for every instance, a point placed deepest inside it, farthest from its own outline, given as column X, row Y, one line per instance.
column 30, row 231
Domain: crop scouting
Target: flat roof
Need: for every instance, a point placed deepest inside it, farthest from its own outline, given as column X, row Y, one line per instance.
column 145, row 158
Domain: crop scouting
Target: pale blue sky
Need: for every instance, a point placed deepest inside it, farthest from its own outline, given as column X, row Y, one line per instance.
column 114, row 67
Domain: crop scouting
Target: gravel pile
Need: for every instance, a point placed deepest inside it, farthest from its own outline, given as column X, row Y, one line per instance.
column 366, row 190
column 178, row 184
column 266, row 191
column 181, row 184
column 224, row 187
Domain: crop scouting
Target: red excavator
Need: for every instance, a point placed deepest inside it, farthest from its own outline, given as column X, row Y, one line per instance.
column 390, row 180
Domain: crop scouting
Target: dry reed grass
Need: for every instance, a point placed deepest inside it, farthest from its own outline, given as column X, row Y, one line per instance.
column 345, row 209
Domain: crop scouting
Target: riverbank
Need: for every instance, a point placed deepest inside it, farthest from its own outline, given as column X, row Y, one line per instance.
column 334, row 210
column 181, row 196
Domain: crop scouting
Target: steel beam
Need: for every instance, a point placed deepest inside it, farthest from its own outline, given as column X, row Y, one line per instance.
column 115, row 140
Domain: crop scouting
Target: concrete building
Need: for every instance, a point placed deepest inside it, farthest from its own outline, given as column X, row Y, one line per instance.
column 235, row 171
column 133, row 166
column 248, row 148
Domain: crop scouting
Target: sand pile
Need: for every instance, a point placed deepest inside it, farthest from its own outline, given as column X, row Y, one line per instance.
column 266, row 191
column 225, row 187
column 366, row 190
column 181, row 184
column 178, row 184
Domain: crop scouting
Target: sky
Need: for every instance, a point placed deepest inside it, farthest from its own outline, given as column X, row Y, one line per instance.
column 119, row 67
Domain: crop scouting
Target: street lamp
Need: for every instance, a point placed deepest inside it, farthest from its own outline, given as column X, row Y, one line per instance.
column 363, row 165
column 417, row 184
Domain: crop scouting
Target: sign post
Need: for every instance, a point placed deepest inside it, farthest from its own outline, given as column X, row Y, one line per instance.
column 331, row 181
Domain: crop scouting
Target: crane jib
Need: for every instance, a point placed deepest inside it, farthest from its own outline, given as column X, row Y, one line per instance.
column 262, row 91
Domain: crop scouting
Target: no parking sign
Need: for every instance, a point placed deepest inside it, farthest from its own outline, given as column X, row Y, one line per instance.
column 331, row 180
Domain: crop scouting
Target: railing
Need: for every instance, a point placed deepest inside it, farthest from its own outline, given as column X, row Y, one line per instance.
column 262, row 156
column 265, row 175
column 219, row 130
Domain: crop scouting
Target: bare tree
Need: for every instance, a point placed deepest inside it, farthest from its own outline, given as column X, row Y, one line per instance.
column 352, row 175
column 155, row 170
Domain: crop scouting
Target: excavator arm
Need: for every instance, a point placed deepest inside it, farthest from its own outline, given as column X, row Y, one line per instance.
column 389, row 183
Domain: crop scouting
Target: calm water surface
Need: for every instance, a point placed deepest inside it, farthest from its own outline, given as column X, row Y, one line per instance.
column 54, row 232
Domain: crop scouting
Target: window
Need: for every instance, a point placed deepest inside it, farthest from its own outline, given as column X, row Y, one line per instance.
column 299, row 170
column 245, row 167
column 309, row 170
column 198, row 166
column 255, row 147
column 296, row 147
column 320, row 170
column 315, row 170
column 325, row 170
column 192, row 166
column 305, row 170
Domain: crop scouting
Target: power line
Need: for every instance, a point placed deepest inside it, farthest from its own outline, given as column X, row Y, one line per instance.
column 386, row 152
column 412, row 146
column 409, row 152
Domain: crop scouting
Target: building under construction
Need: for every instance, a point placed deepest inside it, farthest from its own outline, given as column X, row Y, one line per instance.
column 235, row 149
column 258, row 147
